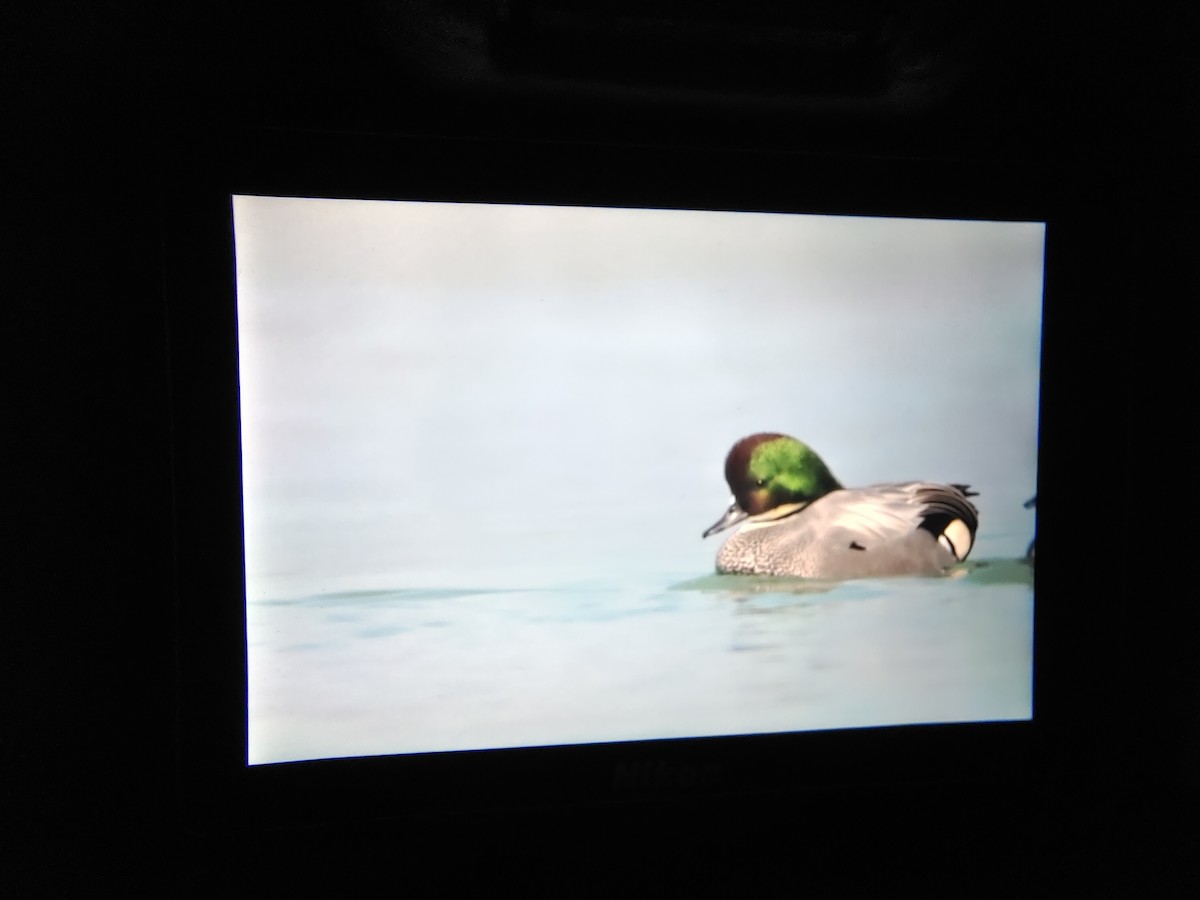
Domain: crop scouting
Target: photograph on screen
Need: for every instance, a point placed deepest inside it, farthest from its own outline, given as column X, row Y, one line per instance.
column 482, row 444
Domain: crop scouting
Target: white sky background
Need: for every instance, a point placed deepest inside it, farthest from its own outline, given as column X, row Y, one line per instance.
column 440, row 394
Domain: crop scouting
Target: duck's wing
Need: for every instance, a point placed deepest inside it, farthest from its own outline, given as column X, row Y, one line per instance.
column 917, row 524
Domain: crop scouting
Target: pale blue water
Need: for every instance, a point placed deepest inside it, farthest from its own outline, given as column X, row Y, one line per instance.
column 480, row 445
column 422, row 670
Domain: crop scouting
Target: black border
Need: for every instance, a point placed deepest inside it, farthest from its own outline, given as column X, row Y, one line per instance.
column 1083, row 371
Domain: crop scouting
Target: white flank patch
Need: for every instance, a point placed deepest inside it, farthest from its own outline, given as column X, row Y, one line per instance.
column 956, row 537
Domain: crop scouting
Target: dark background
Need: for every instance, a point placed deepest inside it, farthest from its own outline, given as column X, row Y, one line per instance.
column 102, row 105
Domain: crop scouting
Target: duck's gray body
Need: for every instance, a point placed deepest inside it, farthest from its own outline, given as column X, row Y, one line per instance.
column 882, row 530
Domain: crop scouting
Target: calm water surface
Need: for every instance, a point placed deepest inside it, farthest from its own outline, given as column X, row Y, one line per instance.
column 378, row 672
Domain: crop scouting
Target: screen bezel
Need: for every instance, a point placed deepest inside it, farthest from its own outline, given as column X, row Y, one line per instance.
column 222, row 791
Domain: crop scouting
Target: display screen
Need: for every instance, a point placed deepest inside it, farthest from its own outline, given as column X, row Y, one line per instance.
column 481, row 442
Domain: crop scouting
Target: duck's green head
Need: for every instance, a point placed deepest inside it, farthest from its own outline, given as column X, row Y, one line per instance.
column 768, row 471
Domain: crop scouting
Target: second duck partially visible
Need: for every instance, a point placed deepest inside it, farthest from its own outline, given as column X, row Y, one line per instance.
column 795, row 519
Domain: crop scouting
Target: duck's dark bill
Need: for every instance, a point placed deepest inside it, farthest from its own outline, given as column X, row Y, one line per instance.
column 732, row 516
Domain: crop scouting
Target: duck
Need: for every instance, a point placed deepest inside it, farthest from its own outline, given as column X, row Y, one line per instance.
column 793, row 518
